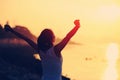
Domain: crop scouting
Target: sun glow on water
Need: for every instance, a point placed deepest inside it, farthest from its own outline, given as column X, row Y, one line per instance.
column 112, row 56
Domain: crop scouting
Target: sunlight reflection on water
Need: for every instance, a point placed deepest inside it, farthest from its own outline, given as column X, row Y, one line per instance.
column 112, row 56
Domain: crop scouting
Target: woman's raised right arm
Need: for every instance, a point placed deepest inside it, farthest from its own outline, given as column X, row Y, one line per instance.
column 29, row 41
column 58, row 48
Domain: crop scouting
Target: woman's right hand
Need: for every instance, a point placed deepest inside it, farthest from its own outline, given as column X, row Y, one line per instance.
column 77, row 23
column 7, row 28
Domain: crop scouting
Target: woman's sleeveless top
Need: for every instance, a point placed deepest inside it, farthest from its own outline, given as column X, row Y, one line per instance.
column 51, row 65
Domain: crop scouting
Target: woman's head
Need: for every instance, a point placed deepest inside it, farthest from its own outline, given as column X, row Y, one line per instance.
column 46, row 39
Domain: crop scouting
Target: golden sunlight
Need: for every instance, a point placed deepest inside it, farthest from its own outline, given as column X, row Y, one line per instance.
column 112, row 53
column 108, row 12
column 112, row 56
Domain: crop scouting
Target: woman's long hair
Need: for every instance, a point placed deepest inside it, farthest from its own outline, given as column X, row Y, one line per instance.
column 46, row 39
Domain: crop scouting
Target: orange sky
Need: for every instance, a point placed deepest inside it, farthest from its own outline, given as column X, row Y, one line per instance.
column 99, row 18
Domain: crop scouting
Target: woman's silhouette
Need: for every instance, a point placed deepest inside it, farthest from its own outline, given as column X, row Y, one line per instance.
column 50, row 54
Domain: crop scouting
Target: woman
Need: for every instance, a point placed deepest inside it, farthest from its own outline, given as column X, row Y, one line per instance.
column 50, row 54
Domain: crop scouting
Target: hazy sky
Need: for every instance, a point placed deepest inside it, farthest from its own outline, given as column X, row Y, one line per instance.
column 100, row 23
column 100, row 19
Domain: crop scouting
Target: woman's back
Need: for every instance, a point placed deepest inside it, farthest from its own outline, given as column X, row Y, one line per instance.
column 51, row 65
